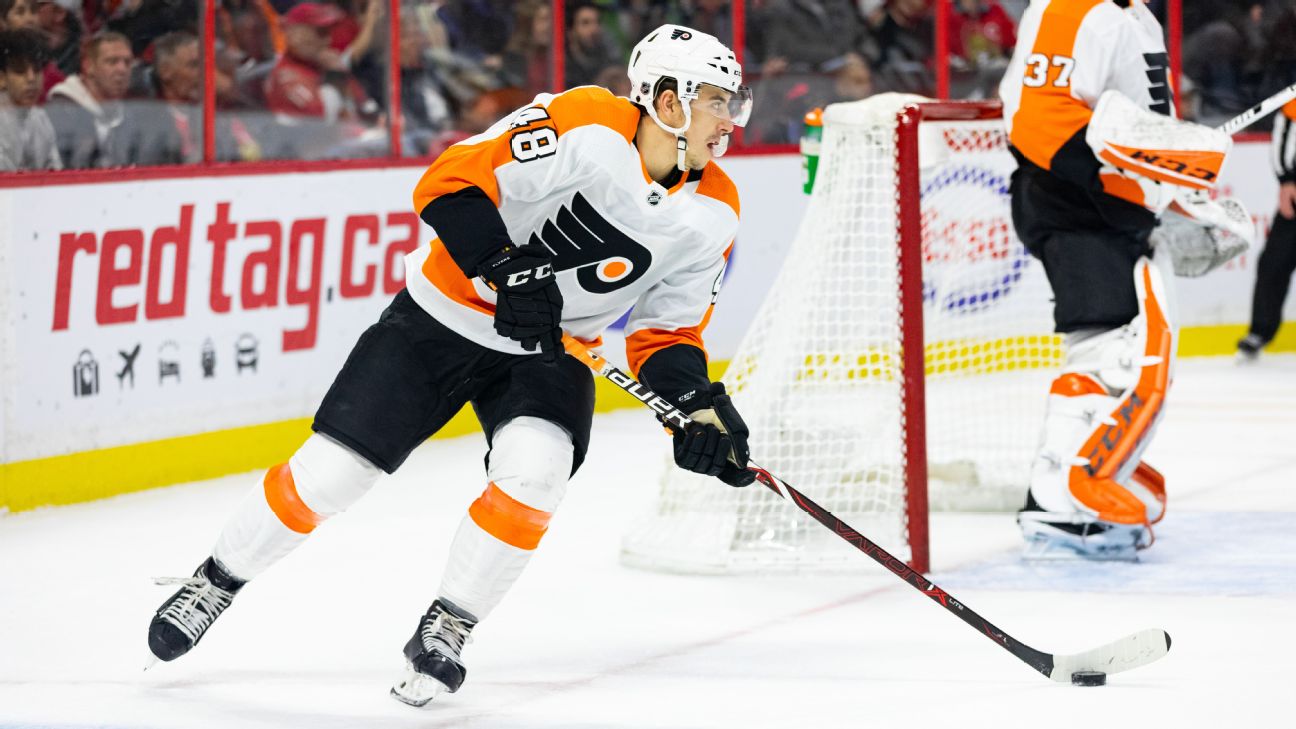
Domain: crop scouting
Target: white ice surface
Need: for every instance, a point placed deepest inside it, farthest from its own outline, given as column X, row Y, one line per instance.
column 582, row 642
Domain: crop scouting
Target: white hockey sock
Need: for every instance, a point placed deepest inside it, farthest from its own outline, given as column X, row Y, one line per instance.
column 530, row 461
column 321, row 479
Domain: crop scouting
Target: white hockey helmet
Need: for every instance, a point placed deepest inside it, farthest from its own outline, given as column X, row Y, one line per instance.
column 692, row 58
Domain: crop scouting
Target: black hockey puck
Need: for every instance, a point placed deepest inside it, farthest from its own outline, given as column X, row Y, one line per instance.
column 1088, row 678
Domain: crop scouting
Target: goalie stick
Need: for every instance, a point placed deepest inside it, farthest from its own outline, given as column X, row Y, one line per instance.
column 1129, row 652
column 1259, row 111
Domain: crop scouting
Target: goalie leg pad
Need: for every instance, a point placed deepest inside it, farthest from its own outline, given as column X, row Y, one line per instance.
column 1101, row 414
column 321, row 479
column 529, row 464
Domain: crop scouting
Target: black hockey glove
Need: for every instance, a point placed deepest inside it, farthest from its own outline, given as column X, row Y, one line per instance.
column 716, row 443
column 528, row 304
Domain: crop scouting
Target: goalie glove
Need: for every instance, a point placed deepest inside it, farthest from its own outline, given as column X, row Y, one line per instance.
column 715, row 443
column 528, row 302
column 1200, row 234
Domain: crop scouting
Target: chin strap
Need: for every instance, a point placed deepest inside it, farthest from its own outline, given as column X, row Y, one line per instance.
column 681, row 150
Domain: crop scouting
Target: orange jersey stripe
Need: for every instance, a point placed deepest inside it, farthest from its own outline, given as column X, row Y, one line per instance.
column 281, row 496
column 1049, row 115
column 716, row 185
column 508, row 519
column 641, row 345
column 445, row 274
column 1290, row 109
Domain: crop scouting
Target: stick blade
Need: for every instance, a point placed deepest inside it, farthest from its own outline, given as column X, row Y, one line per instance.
column 1129, row 652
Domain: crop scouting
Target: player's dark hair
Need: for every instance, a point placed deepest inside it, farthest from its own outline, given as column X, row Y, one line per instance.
column 5, row 7
column 22, row 49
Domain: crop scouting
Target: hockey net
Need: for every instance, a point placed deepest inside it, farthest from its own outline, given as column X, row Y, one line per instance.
column 909, row 213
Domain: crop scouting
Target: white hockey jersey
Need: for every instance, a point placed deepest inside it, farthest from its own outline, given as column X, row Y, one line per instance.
column 1068, row 53
column 564, row 173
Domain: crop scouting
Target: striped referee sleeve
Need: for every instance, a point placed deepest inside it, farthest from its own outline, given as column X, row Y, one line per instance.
column 1284, row 143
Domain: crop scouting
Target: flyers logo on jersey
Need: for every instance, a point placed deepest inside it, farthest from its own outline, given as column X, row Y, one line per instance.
column 681, row 34
column 604, row 258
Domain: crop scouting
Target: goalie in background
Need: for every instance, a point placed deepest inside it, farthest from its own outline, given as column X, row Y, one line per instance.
column 560, row 217
column 1111, row 190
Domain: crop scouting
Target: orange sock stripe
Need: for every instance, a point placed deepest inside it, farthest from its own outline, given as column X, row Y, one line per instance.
column 281, row 495
column 508, row 519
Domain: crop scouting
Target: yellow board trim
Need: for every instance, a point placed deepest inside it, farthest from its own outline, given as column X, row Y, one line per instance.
column 97, row 474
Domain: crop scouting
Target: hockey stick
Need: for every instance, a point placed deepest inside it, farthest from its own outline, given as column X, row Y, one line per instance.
column 1259, row 111
column 1129, row 652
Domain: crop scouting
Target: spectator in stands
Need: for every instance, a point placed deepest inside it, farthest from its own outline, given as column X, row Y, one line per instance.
column 16, row 14
column 905, row 36
column 710, row 16
column 614, row 79
column 1222, row 58
column 793, row 95
column 478, row 29
column 527, row 61
column 588, row 49
column 61, row 21
column 253, row 52
column 981, row 31
column 87, row 108
column 309, row 80
column 27, row 140
column 352, row 38
column 426, row 111
column 320, row 105
column 803, row 35
column 981, row 40
column 167, row 129
column 144, row 20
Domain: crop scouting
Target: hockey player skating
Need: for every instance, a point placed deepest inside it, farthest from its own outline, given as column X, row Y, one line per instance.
column 1107, row 177
column 559, row 217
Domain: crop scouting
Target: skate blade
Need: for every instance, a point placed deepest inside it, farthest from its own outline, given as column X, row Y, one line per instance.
column 416, row 689
column 1048, row 550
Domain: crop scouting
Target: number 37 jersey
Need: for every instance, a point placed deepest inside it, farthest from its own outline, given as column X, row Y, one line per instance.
column 564, row 173
column 1068, row 53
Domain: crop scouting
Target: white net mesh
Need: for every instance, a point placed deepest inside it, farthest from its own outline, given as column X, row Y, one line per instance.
column 818, row 376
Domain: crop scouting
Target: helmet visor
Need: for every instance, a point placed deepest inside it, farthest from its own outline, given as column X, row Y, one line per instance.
column 736, row 110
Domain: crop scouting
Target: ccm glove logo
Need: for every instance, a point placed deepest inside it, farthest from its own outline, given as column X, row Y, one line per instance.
column 519, row 278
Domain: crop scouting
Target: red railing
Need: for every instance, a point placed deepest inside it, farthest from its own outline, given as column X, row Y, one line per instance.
column 738, row 17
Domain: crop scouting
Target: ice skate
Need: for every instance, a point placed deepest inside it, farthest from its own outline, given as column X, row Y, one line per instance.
column 1248, row 349
column 182, row 620
column 1078, row 536
column 433, row 664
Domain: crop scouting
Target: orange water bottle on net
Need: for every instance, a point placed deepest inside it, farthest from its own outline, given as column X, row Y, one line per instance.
column 811, row 137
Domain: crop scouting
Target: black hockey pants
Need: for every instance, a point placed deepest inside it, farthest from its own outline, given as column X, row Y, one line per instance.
column 1273, row 278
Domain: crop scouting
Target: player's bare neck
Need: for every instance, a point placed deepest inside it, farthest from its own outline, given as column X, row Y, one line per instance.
column 657, row 148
